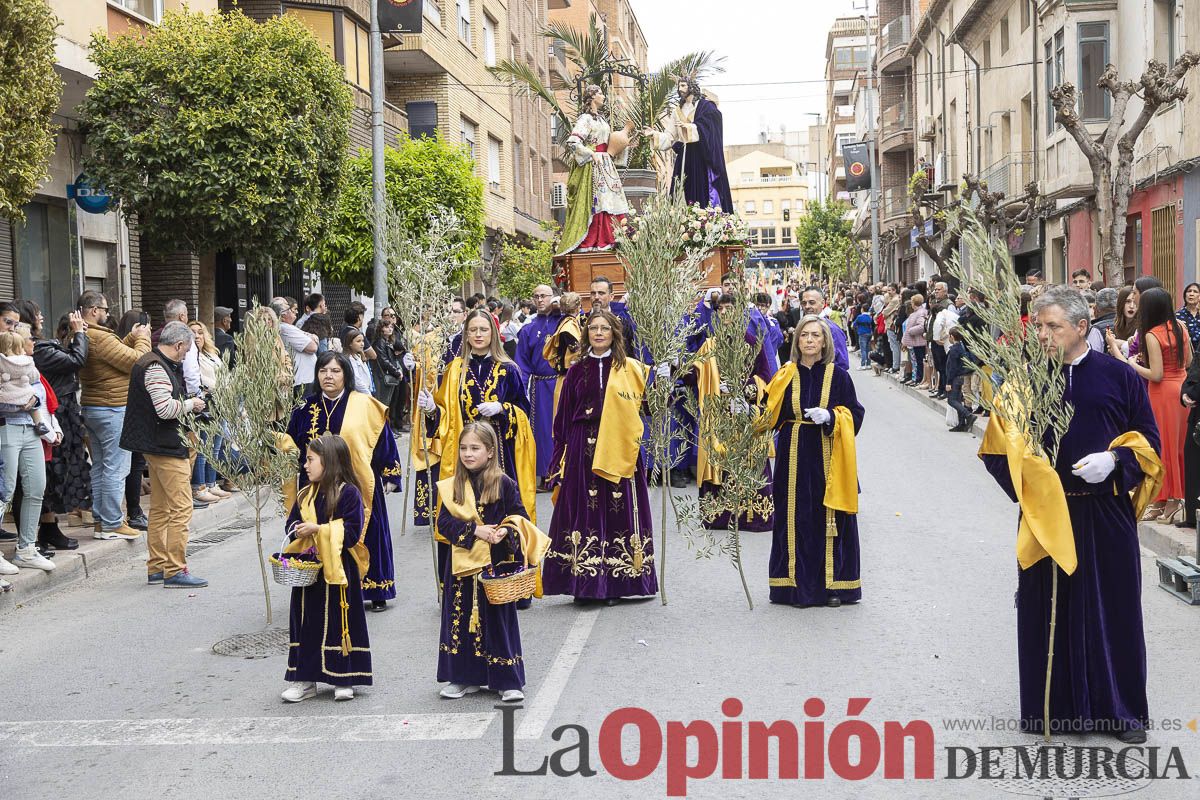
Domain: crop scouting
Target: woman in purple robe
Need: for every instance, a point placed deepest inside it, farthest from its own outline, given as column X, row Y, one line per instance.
column 811, row 563
column 601, row 534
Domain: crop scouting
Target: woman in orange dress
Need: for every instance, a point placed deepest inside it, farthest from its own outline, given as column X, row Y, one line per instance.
column 1166, row 352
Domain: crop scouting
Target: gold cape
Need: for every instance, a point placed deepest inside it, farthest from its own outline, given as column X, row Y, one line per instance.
column 569, row 324
column 424, row 377
column 1045, row 528
column 451, row 425
column 708, row 384
column 619, row 440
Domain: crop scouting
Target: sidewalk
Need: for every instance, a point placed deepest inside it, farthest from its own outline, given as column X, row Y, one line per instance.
column 72, row 566
column 1165, row 541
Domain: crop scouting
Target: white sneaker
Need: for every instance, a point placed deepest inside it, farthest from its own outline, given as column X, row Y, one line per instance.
column 6, row 568
column 4, row 585
column 456, row 690
column 299, row 690
column 512, row 696
column 31, row 558
column 343, row 693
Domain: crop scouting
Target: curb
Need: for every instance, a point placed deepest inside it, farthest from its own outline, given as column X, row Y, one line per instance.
column 94, row 555
column 1165, row 541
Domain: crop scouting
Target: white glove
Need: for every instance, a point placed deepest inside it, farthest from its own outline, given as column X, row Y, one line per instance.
column 818, row 415
column 490, row 409
column 1096, row 467
column 712, row 294
column 723, row 388
column 739, row 405
column 425, row 401
column 409, row 362
column 662, row 371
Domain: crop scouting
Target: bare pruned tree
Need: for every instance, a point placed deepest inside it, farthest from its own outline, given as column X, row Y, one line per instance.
column 1158, row 87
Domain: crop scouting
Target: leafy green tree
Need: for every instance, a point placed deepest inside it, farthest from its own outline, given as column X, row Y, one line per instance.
column 823, row 236
column 29, row 94
column 425, row 177
column 524, row 266
column 220, row 132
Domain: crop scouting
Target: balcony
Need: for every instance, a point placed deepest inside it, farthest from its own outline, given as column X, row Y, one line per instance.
column 769, row 179
column 893, row 43
column 558, row 62
column 894, row 205
column 1010, row 174
column 896, row 131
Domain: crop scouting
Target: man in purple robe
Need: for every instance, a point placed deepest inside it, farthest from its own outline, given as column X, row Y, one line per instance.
column 696, row 134
column 541, row 378
column 1098, row 681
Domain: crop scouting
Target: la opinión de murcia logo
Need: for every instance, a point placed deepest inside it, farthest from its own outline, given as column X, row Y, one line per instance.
column 852, row 749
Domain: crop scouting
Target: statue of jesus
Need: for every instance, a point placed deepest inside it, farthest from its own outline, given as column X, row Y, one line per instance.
column 696, row 133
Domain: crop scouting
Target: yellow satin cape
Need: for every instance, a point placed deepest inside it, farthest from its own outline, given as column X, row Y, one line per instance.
column 329, row 541
column 1045, row 528
column 570, row 325
column 424, row 377
column 451, row 425
column 708, row 385
column 365, row 419
column 619, row 440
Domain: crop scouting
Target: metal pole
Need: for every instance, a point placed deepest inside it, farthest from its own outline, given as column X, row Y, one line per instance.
column 871, row 134
column 377, row 177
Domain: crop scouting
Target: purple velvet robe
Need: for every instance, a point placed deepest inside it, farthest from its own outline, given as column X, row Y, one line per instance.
column 799, row 495
column 491, row 656
column 705, row 180
column 541, row 379
column 380, row 581
column 597, row 549
column 315, row 621
column 1099, row 674
column 750, row 521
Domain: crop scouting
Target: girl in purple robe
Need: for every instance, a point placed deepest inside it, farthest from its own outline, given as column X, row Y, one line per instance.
column 811, row 564
column 480, row 642
column 327, row 624
column 601, row 534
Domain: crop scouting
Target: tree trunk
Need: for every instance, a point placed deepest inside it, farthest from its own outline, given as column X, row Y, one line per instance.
column 262, row 566
column 1110, row 223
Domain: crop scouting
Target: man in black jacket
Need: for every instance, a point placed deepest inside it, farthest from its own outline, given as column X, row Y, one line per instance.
column 222, row 338
column 157, row 400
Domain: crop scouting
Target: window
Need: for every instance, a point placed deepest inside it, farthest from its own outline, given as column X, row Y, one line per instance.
column 469, row 133
column 546, row 179
column 785, row 205
column 320, row 23
column 1093, row 55
column 767, row 235
column 422, row 119
column 929, row 77
column 147, row 9
column 752, row 236
column 786, row 236
column 750, row 207
column 464, row 20
column 1165, row 33
column 747, row 177
column 847, row 58
column 433, row 12
column 768, row 206
column 1053, row 62
column 1024, row 4
column 494, row 163
column 1004, row 35
column 356, row 51
column 533, row 160
column 518, row 176
column 985, row 54
column 489, row 41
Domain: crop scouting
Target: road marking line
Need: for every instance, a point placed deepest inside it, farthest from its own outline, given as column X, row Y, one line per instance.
column 548, row 694
column 245, row 730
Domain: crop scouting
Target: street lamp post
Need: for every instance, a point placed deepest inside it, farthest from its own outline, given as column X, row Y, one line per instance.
column 871, row 150
column 379, row 263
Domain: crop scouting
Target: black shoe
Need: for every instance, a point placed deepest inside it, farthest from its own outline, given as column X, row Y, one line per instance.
column 940, row 396
column 978, row 410
column 45, row 552
column 524, row 603
column 6, row 536
column 582, row 601
column 52, row 538
column 139, row 522
column 970, row 423
column 834, row 602
column 1186, row 524
column 1132, row 736
column 958, row 428
column 378, row 605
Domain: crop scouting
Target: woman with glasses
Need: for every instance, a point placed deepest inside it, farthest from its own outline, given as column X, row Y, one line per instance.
column 601, row 535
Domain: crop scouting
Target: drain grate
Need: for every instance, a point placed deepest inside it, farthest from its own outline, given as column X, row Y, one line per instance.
column 222, row 534
column 1069, row 773
column 271, row 642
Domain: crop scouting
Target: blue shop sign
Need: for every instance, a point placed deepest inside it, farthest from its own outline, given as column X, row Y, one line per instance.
column 89, row 198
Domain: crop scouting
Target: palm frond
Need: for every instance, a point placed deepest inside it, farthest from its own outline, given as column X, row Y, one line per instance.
column 586, row 50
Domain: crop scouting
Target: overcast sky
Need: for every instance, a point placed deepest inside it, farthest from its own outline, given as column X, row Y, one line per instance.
column 763, row 41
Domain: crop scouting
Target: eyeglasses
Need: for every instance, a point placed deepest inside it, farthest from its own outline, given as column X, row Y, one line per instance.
column 542, row 295
column 599, row 329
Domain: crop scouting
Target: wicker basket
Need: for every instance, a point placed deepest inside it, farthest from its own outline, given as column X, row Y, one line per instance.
column 297, row 572
column 510, row 587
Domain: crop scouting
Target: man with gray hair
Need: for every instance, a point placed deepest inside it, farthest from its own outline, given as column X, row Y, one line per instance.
column 1104, row 316
column 177, row 311
column 158, row 399
column 1109, row 450
column 301, row 347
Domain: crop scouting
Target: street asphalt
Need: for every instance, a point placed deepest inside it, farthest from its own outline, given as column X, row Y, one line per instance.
column 113, row 691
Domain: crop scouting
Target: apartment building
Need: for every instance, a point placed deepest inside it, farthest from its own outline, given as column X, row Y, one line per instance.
column 847, row 53
column 769, row 193
column 60, row 249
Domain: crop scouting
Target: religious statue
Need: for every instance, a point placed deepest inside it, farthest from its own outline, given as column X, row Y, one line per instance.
column 595, row 195
column 696, row 133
